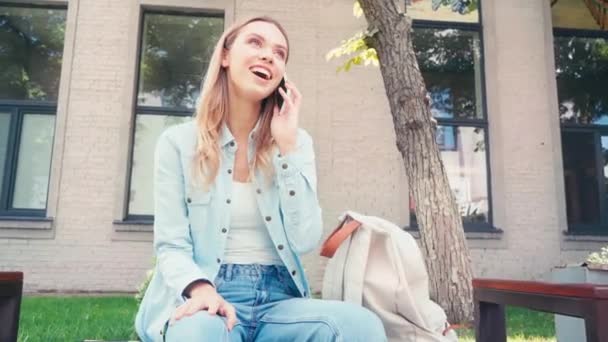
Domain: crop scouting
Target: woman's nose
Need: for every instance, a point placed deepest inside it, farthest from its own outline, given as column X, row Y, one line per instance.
column 266, row 55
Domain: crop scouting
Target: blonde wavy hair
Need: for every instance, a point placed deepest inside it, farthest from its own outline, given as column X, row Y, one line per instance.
column 212, row 110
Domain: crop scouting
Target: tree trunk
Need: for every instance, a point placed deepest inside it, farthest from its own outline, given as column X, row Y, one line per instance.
column 442, row 236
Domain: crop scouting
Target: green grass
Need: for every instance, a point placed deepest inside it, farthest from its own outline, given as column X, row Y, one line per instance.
column 522, row 326
column 76, row 318
column 111, row 318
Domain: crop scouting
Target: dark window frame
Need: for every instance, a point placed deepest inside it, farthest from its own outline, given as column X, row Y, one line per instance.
column 137, row 109
column 33, row 5
column 600, row 229
column 17, row 112
column 18, row 109
column 468, row 122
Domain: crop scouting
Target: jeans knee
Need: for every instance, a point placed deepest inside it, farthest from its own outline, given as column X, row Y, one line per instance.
column 199, row 327
column 374, row 324
column 360, row 324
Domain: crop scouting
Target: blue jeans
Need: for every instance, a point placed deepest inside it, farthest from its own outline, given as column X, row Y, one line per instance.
column 269, row 309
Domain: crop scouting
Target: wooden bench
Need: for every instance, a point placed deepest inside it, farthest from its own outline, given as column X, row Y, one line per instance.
column 11, row 289
column 586, row 301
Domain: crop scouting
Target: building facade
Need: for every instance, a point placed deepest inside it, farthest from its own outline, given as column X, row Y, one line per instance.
column 519, row 89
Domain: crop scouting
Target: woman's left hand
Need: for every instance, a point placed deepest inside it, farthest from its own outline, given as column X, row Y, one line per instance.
column 284, row 124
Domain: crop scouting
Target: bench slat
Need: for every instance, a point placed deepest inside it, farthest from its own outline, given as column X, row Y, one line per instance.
column 11, row 276
column 590, row 291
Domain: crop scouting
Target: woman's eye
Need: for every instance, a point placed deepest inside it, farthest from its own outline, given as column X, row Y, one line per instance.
column 255, row 42
column 281, row 54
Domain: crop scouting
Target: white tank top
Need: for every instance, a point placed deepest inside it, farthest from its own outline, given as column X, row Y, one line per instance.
column 248, row 241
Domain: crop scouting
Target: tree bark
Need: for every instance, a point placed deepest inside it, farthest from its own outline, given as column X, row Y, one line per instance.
column 441, row 232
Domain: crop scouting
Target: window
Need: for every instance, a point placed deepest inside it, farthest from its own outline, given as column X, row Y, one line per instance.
column 448, row 47
column 581, row 62
column 175, row 50
column 31, row 52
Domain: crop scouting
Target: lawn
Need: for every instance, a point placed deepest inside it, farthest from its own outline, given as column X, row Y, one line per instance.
column 76, row 318
column 111, row 318
column 523, row 326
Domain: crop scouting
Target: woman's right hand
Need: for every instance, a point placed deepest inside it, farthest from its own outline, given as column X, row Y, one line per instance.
column 204, row 297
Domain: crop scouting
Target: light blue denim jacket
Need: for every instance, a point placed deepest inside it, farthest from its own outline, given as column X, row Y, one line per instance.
column 191, row 224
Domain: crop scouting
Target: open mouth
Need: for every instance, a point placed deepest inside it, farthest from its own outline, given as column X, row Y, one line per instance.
column 262, row 73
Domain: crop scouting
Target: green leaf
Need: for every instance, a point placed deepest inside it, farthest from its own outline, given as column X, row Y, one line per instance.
column 357, row 11
column 356, row 48
column 349, row 63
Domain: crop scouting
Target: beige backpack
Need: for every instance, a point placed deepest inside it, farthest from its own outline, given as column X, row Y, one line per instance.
column 377, row 264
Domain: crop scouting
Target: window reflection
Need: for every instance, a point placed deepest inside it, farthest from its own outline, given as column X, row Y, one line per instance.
column 34, row 162
column 175, row 53
column 463, row 11
column 582, row 76
column 604, row 142
column 465, row 165
column 5, row 121
column 580, row 176
column 148, row 129
column 449, row 60
column 31, row 50
column 176, row 49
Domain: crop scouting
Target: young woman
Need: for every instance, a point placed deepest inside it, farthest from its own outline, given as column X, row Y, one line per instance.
column 235, row 205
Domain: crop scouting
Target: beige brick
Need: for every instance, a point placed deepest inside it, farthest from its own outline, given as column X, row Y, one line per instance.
column 348, row 116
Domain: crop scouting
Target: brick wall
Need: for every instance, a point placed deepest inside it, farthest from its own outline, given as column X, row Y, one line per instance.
column 347, row 114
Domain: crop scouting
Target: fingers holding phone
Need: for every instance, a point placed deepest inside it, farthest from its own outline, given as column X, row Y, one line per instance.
column 293, row 93
column 278, row 95
column 289, row 98
column 284, row 124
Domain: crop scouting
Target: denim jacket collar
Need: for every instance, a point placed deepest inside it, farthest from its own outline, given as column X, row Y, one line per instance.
column 226, row 136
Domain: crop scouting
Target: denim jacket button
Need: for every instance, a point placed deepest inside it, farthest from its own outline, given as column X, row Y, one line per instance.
column 189, row 200
column 280, row 247
column 285, row 166
column 259, row 191
column 224, row 230
column 292, row 193
column 268, row 218
column 293, row 272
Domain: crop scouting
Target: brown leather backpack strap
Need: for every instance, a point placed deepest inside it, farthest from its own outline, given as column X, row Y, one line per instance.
column 335, row 239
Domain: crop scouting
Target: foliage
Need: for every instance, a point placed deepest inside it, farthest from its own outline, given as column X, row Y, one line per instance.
column 600, row 258
column 582, row 73
column 355, row 45
column 357, row 48
column 449, row 60
column 175, row 54
column 31, row 52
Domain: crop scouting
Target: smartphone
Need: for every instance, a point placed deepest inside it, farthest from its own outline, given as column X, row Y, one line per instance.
column 278, row 95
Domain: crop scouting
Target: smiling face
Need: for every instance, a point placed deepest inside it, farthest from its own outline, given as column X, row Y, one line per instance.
column 255, row 61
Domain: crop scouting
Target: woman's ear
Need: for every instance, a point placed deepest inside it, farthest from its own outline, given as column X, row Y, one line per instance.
column 224, row 58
